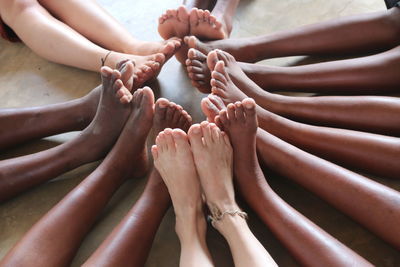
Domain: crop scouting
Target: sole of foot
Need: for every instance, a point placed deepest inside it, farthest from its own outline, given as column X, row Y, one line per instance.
column 206, row 26
column 199, row 67
column 174, row 23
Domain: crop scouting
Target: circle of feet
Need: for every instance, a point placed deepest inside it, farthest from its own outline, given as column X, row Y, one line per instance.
column 201, row 167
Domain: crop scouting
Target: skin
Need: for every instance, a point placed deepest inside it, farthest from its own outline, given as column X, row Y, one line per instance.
column 371, row 153
column 306, row 241
column 71, row 37
column 75, row 115
column 173, row 159
column 142, row 221
column 54, row 240
column 93, row 143
column 193, row 18
column 374, row 74
column 374, row 114
column 377, row 206
column 212, row 153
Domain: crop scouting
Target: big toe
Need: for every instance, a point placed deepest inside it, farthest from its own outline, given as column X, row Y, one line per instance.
column 195, row 137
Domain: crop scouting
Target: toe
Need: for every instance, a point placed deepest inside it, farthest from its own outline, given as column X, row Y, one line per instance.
column 223, row 117
column 161, row 108
column 218, row 76
column 193, row 17
column 169, row 141
column 170, row 111
column 195, row 137
column 215, row 132
column 239, row 112
column 183, row 14
column 154, row 152
column 231, row 112
column 181, row 141
column 217, row 101
column 206, row 130
column 212, row 59
column 160, row 142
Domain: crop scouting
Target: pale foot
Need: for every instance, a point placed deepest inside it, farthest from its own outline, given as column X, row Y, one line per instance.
column 174, row 23
column 212, row 154
column 204, row 25
column 174, row 161
column 145, row 48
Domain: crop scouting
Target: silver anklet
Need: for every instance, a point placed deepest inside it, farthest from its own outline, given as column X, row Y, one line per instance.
column 217, row 215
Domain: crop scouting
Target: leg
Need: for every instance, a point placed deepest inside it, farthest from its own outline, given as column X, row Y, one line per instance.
column 375, row 154
column 19, row 174
column 212, row 154
column 307, row 242
column 366, row 113
column 366, row 75
column 319, row 39
column 87, row 17
column 377, row 205
column 62, row 44
column 173, row 159
column 142, row 221
column 53, row 240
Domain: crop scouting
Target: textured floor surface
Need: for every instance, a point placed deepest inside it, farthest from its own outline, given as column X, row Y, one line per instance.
column 27, row 80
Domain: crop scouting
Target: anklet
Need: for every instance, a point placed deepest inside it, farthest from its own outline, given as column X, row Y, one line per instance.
column 103, row 60
column 217, row 215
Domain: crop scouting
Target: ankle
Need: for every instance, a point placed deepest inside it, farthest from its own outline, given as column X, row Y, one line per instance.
column 229, row 224
column 191, row 225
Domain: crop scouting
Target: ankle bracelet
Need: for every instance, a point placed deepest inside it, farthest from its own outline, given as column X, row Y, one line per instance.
column 217, row 215
column 103, row 60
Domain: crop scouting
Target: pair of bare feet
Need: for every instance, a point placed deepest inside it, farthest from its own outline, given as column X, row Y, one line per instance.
column 201, row 23
column 217, row 73
column 149, row 62
column 119, row 107
column 201, row 161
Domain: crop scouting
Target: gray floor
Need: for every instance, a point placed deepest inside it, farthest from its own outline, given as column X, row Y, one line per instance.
column 27, row 80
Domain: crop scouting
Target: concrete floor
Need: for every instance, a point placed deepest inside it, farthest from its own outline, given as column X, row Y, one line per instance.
column 27, row 80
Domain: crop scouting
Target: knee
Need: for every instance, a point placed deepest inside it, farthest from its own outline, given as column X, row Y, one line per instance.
column 10, row 9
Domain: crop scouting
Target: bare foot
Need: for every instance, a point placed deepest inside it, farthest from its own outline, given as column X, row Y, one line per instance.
column 212, row 154
column 204, row 25
column 211, row 106
column 242, row 49
column 174, row 23
column 173, row 159
column 146, row 67
column 170, row 115
column 110, row 117
column 144, row 48
column 199, row 67
column 132, row 140
column 223, row 86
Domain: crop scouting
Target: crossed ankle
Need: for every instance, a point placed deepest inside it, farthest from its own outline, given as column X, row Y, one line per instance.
column 191, row 226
